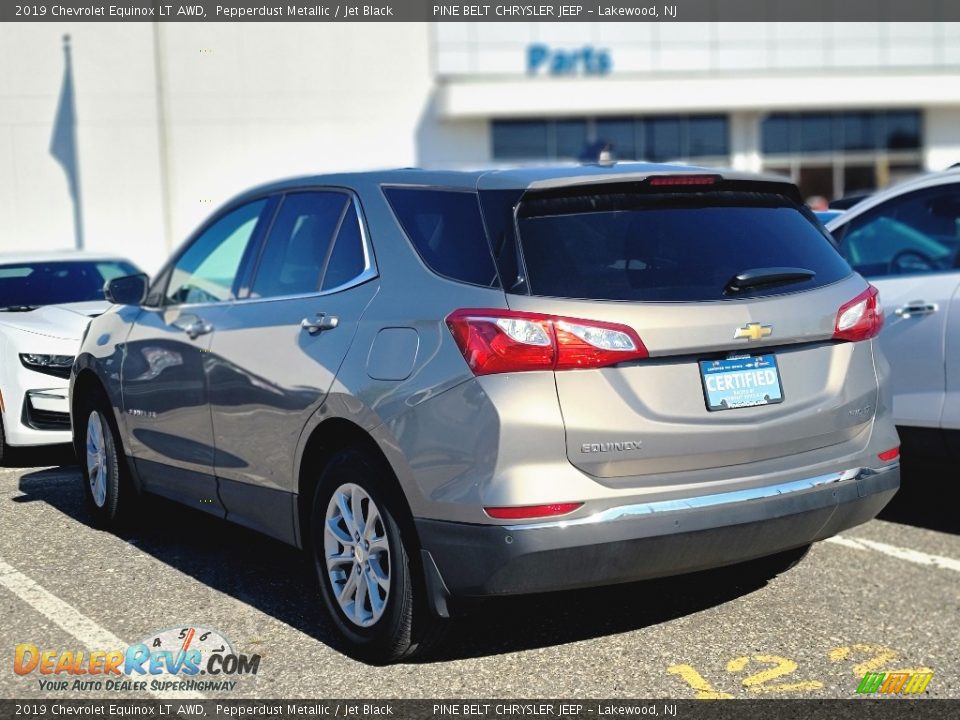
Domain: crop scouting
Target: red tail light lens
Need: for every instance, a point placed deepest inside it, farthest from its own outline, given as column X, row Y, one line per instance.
column 888, row 455
column 529, row 512
column 861, row 318
column 593, row 344
column 499, row 341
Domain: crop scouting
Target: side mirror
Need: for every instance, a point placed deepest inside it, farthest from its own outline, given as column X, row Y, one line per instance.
column 127, row 290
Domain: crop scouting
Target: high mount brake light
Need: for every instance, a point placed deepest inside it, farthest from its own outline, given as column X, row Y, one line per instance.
column 861, row 318
column 668, row 180
column 500, row 341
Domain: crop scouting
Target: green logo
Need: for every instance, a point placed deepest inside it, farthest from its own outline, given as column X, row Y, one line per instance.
column 894, row 683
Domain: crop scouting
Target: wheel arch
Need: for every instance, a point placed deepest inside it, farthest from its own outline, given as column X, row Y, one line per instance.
column 85, row 384
column 322, row 445
column 323, row 442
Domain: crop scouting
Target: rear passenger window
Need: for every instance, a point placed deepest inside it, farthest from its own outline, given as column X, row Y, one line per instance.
column 347, row 260
column 294, row 254
column 447, row 231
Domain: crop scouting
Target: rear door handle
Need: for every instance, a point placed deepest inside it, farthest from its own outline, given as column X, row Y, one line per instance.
column 916, row 308
column 323, row 322
column 194, row 327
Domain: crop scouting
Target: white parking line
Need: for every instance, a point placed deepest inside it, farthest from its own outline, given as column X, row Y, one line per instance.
column 69, row 619
column 914, row 556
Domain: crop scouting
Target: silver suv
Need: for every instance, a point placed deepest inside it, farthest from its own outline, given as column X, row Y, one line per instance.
column 447, row 384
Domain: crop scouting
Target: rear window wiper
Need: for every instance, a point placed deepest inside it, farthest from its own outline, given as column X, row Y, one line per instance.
column 18, row 308
column 763, row 277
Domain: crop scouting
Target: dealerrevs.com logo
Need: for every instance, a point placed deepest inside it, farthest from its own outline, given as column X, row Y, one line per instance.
column 169, row 660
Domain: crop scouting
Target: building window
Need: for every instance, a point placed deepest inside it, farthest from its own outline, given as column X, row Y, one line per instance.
column 521, row 139
column 841, row 131
column 655, row 138
column 835, row 154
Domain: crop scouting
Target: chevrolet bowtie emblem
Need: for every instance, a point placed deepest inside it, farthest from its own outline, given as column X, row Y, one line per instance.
column 752, row 331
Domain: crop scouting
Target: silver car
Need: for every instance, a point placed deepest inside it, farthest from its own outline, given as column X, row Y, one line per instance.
column 906, row 240
column 460, row 384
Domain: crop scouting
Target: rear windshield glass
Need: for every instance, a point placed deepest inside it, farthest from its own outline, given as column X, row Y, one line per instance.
column 669, row 247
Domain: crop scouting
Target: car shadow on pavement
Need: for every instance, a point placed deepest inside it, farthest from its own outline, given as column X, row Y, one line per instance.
column 929, row 495
column 276, row 579
column 509, row 624
column 40, row 456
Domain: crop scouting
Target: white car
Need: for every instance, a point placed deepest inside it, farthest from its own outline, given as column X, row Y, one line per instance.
column 46, row 303
column 906, row 241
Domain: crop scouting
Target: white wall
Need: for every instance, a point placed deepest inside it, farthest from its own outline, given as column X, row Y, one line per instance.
column 242, row 104
column 249, row 103
column 579, row 96
column 116, row 136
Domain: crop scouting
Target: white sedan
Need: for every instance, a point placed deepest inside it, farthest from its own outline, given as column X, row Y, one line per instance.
column 46, row 302
column 906, row 241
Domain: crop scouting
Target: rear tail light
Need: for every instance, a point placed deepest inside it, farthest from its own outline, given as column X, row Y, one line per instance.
column 529, row 512
column 499, row 341
column 891, row 454
column 861, row 318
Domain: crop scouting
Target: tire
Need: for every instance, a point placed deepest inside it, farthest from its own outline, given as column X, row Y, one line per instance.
column 107, row 486
column 375, row 594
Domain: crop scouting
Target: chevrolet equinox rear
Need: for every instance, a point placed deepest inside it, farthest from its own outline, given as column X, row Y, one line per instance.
column 463, row 384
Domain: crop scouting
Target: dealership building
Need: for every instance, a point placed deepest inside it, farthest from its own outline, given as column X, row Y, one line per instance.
column 169, row 120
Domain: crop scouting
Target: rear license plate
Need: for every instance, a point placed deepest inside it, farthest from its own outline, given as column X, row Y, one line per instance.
column 741, row 382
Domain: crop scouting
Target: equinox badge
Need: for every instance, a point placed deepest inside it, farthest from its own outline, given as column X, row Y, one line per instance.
column 753, row 331
column 611, row 446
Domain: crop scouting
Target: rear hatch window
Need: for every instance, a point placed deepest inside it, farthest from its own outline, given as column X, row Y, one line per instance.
column 614, row 243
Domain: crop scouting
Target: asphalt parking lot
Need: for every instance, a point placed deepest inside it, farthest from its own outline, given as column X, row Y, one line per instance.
column 884, row 597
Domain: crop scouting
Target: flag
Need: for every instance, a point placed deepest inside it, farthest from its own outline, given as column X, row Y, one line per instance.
column 63, row 143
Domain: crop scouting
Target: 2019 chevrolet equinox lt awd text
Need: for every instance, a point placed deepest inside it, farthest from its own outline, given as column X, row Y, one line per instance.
column 455, row 384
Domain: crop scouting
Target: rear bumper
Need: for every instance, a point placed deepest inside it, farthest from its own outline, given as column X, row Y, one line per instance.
column 651, row 540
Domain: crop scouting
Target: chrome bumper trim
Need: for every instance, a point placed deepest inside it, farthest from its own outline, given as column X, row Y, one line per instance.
column 623, row 512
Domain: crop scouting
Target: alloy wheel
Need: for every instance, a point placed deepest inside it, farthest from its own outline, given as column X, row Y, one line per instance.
column 357, row 554
column 96, row 459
